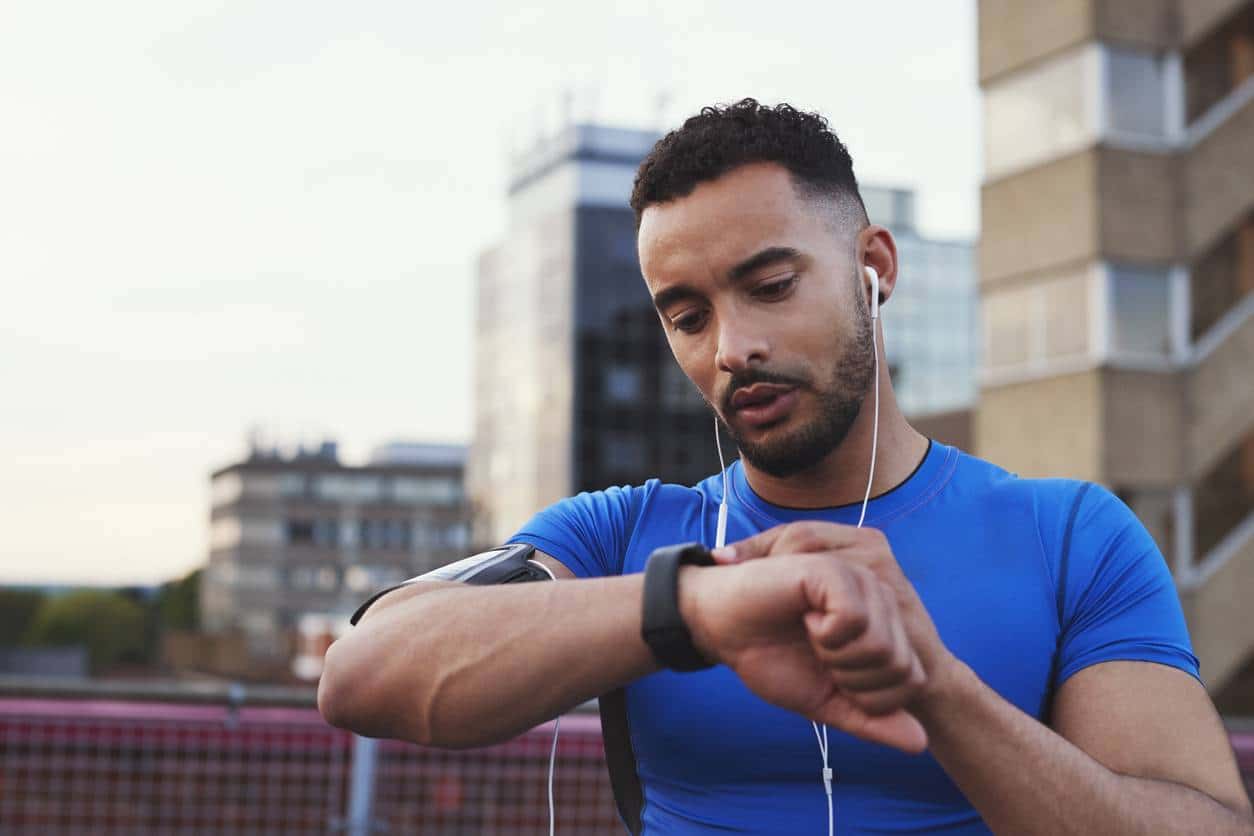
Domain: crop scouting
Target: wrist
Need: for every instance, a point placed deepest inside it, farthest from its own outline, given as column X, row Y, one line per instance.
column 950, row 685
column 692, row 580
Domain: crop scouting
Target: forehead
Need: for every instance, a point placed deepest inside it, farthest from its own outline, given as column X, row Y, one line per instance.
column 727, row 220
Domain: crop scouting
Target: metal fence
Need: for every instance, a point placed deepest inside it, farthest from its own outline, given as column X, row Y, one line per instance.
column 214, row 761
column 113, row 766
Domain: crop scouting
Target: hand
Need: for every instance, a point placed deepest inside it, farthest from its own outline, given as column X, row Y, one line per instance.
column 818, row 636
column 868, row 549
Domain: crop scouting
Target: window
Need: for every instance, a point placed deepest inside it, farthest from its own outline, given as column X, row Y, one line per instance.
column 622, row 384
column 1033, row 325
column 345, row 488
column 1068, row 102
column 1136, row 100
column 1140, row 310
column 300, row 532
column 1044, row 112
column 432, row 490
column 623, row 453
column 291, row 485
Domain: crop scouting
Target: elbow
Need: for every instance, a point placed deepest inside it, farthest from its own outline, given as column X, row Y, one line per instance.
column 334, row 699
column 353, row 695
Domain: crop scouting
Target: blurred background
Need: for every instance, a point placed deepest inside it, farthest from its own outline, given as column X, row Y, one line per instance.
column 304, row 299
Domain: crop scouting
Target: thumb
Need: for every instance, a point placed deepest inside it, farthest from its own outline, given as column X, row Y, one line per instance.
column 759, row 545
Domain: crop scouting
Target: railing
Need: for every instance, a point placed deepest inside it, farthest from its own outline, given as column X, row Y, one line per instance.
column 218, row 759
column 190, row 765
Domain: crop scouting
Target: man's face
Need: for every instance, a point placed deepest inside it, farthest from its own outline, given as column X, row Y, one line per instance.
column 760, row 295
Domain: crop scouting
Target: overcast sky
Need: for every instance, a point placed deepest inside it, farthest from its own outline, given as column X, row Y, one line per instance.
column 221, row 214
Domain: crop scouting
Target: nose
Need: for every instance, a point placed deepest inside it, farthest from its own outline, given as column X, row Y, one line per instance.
column 740, row 347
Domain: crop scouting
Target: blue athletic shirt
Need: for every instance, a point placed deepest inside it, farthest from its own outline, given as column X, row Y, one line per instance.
column 1027, row 580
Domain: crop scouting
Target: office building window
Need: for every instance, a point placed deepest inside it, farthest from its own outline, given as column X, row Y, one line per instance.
column 1043, row 112
column 344, row 488
column 1136, row 93
column 291, row 485
column 1140, row 310
column 1034, row 326
column 300, row 532
column 420, row 491
column 622, row 384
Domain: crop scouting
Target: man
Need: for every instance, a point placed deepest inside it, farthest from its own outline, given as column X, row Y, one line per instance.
column 1025, row 633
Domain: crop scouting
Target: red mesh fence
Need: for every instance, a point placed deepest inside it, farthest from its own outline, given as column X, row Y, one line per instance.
column 136, row 768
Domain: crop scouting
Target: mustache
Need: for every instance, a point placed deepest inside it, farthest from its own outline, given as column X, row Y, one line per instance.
column 745, row 379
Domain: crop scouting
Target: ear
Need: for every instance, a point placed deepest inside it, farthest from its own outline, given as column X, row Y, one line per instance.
column 878, row 250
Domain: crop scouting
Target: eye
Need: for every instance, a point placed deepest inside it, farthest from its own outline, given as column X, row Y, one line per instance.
column 776, row 289
column 689, row 322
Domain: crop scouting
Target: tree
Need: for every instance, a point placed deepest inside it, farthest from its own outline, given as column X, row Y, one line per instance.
column 17, row 609
column 179, row 603
column 110, row 626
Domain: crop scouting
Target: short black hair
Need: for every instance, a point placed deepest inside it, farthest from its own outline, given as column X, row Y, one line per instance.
column 724, row 137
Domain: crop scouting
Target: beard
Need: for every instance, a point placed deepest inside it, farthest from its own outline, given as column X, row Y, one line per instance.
column 839, row 403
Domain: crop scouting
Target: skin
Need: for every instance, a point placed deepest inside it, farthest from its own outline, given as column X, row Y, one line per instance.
column 814, row 617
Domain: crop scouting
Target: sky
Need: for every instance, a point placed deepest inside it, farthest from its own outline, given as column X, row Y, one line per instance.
column 216, row 216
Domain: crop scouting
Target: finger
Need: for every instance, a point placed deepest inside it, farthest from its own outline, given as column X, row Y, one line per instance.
column 792, row 538
column 884, row 701
column 900, row 729
column 878, row 645
column 759, row 545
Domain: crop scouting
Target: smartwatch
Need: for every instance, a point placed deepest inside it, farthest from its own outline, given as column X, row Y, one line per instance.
column 662, row 627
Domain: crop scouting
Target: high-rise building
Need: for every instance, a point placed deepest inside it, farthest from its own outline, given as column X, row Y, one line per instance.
column 305, row 537
column 1116, row 268
column 575, row 386
column 930, row 332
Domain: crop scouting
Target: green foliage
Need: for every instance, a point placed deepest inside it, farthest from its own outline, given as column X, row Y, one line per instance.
column 178, row 603
column 107, row 623
column 17, row 610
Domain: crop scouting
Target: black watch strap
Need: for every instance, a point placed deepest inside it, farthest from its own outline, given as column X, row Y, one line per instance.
column 662, row 627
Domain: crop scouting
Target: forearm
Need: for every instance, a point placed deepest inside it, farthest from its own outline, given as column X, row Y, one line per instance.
column 1024, row 778
column 469, row 666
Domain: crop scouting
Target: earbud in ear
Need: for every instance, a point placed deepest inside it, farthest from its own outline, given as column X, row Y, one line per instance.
column 874, row 278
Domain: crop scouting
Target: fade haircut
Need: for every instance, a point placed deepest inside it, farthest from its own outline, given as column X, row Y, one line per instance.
column 724, row 137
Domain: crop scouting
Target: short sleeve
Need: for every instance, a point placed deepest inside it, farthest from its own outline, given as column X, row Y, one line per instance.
column 1118, row 601
column 589, row 532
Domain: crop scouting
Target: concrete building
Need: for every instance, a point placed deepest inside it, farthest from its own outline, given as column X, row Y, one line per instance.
column 1116, row 267
column 575, row 386
column 302, row 540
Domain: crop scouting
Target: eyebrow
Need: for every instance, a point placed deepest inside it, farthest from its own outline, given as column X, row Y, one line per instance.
column 738, row 273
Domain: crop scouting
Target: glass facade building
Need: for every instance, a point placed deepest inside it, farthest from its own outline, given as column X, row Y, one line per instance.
column 576, row 388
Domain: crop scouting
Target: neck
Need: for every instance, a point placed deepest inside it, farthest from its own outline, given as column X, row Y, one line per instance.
column 840, row 478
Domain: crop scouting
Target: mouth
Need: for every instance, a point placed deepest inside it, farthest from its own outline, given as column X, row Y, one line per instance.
column 763, row 404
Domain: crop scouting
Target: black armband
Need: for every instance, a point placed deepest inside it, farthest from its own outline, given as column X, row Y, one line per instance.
column 511, row 563
column 661, row 624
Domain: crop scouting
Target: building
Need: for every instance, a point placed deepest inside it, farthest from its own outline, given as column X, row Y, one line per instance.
column 575, row 386
column 1116, row 268
column 298, row 542
column 931, row 337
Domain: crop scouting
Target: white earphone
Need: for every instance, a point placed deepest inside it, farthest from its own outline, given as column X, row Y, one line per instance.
column 720, row 537
column 875, row 290
column 720, row 540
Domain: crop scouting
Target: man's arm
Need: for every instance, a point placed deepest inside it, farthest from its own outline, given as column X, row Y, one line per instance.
column 458, row 666
column 1138, row 750
column 448, row 664
column 1139, row 747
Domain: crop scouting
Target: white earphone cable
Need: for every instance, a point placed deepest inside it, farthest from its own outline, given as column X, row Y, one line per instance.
column 557, row 725
column 866, row 498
